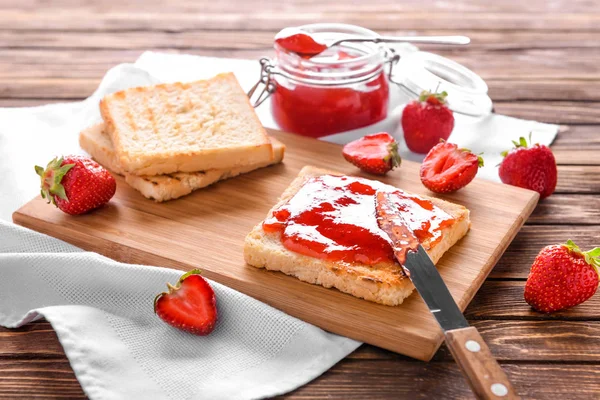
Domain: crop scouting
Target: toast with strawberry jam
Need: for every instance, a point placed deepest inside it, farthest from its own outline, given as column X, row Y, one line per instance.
column 324, row 231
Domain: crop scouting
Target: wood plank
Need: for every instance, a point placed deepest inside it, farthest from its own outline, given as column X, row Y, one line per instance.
column 519, row 65
column 347, row 380
column 504, row 299
column 79, row 84
column 556, row 112
column 398, row 380
column 51, row 19
column 491, row 41
column 26, row 379
column 186, row 6
column 560, row 340
column 116, row 231
column 11, row 102
column 565, row 209
column 517, row 260
column 578, row 179
column 36, row 340
column 579, row 145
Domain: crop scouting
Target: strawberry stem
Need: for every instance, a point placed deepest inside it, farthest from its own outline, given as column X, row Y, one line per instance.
column 195, row 271
column 51, row 179
column 172, row 289
column 441, row 97
column 592, row 257
column 393, row 155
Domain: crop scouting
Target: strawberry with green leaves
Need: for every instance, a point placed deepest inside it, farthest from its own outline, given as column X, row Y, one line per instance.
column 562, row 276
column 76, row 184
column 190, row 305
column 376, row 154
column 426, row 121
column 530, row 167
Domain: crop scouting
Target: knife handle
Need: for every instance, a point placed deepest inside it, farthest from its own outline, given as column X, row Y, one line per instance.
column 485, row 376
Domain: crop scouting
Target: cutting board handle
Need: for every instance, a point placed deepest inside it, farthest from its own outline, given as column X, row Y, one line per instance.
column 486, row 377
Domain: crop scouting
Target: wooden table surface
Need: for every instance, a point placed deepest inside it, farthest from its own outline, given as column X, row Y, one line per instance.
column 541, row 61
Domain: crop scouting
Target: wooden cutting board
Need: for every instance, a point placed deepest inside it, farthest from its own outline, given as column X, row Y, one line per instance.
column 206, row 230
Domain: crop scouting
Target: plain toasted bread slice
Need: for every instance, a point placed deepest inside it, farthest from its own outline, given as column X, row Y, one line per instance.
column 163, row 187
column 185, row 127
column 374, row 283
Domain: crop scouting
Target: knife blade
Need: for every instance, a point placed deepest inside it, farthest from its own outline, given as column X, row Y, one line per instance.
column 484, row 374
column 417, row 265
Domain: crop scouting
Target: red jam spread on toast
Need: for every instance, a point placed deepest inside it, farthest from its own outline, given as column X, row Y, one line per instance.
column 333, row 218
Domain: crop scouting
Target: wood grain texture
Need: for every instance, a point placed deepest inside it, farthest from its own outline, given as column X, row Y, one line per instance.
column 219, row 218
column 517, row 260
column 387, row 17
column 571, row 209
column 504, row 299
column 348, row 380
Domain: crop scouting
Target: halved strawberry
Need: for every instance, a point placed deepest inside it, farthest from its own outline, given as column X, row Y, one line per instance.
column 446, row 168
column 190, row 305
column 376, row 154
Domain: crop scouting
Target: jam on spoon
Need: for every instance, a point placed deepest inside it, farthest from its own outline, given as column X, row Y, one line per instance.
column 297, row 41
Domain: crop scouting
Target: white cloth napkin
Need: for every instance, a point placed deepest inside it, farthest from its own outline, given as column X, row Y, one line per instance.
column 102, row 312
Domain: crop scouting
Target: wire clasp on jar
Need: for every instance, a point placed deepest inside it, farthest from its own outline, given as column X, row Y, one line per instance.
column 392, row 58
column 265, row 81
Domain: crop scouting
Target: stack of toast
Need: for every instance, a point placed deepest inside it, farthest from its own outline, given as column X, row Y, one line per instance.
column 168, row 140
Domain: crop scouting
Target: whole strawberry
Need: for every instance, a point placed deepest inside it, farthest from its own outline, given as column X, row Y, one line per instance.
column 531, row 168
column 76, row 184
column 446, row 168
column 426, row 121
column 561, row 277
column 190, row 305
column 376, row 154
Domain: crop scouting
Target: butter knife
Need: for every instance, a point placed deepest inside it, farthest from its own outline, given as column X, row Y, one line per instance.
column 484, row 374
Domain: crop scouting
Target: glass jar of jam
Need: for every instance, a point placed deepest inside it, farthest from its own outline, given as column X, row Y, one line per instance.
column 347, row 86
column 343, row 88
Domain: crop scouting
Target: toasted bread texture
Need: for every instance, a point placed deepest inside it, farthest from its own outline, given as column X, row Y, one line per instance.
column 185, row 127
column 380, row 283
column 163, row 187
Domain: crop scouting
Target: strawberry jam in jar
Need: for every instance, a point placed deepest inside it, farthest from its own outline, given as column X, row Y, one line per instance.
column 345, row 87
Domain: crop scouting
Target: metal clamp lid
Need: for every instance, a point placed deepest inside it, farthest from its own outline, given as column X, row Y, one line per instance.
column 266, row 81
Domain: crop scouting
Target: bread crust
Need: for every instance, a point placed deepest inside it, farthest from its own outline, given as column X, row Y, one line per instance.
column 383, row 283
column 163, row 187
column 156, row 160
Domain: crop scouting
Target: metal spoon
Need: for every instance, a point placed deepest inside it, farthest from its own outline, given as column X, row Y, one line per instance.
column 461, row 40
column 306, row 45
